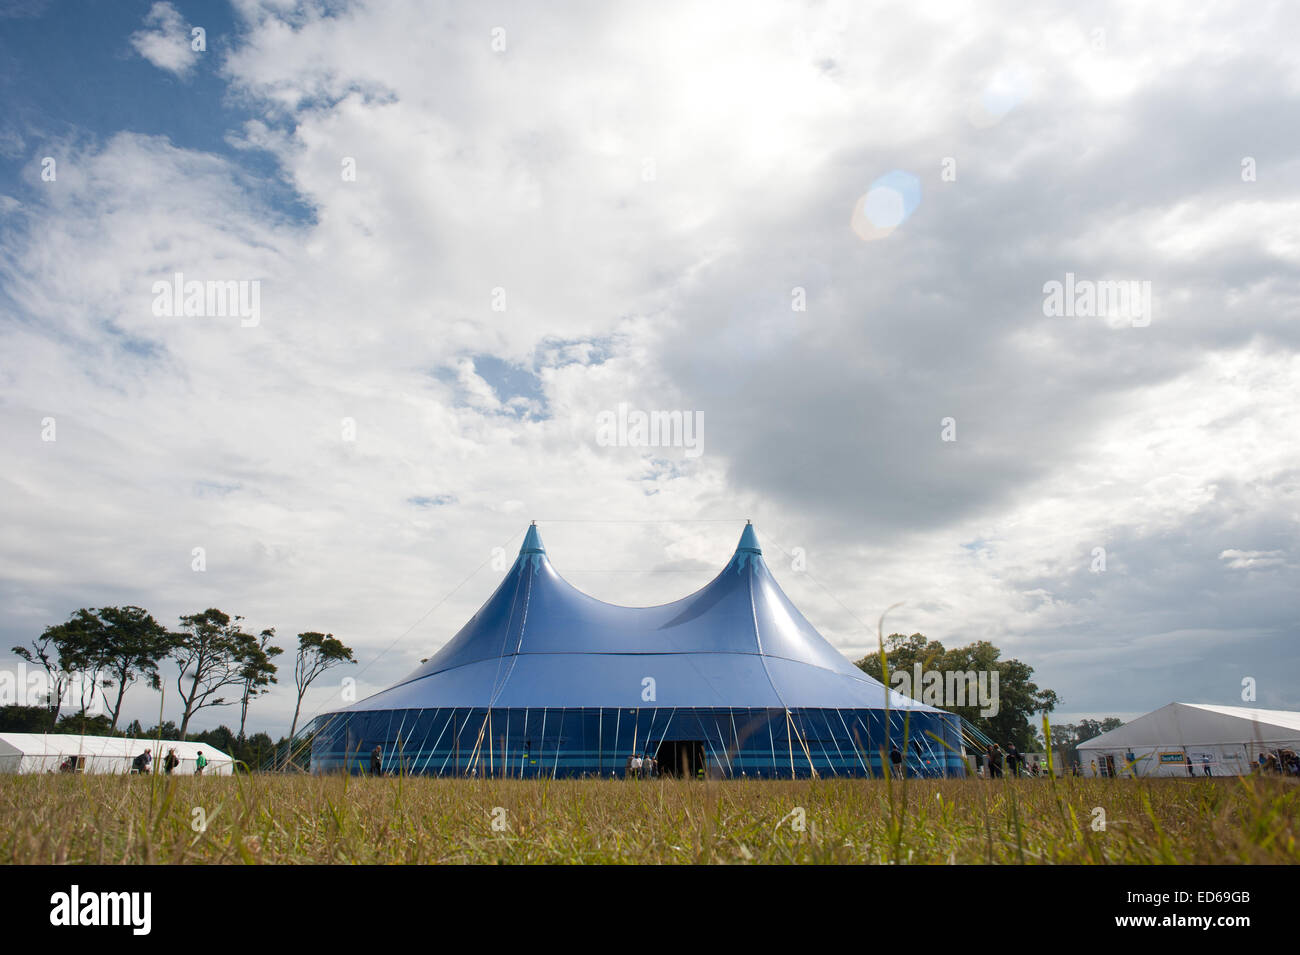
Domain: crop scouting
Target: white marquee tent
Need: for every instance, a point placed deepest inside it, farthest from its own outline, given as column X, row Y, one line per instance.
column 46, row 752
column 1208, row 740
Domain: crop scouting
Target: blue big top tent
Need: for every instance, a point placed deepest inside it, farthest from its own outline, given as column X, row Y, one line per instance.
column 730, row 681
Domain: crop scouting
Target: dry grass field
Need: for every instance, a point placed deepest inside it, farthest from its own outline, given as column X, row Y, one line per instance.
column 264, row 818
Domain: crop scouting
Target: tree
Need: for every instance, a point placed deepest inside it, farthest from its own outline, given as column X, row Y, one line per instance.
column 212, row 654
column 56, row 652
column 16, row 718
column 83, row 656
column 164, row 730
column 1018, row 698
column 258, row 673
column 79, row 724
column 1066, row 737
column 317, row 652
column 131, row 644
column 259, row 750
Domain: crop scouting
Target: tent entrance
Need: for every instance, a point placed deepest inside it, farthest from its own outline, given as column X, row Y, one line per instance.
column 683, row 758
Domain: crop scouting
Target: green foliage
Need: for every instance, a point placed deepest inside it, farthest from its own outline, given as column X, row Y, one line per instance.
column 258, row 672
column 167, row 730
column 81, row 641
column 128, row 644
column 24, row 719
column 79, row 724
column 1068, row 736
column 114, row 647
column 1019, row 698
column 212, row 653
column 121, row 643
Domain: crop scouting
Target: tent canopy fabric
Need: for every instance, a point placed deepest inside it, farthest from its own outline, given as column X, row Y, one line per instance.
column 545, row 679
column 738, row 641
column 45, row 752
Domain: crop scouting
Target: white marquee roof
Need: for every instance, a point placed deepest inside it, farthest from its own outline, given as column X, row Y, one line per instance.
column 1201, row 724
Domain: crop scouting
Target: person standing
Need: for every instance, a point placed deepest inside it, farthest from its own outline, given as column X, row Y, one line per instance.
column 377, row 761
column 1205, row 763
column 896, row 762
column 1013, row 760
column 171, row 761
column 200, row 762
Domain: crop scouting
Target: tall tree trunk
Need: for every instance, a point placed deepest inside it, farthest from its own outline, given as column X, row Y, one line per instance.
column 243, row 709
column 288, row 750
column 189, row 700
column 121, row 692
column 56, row 698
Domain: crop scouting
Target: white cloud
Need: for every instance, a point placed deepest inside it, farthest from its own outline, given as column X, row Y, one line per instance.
column 166, row 41
column 667, row 285
column 1251, row 559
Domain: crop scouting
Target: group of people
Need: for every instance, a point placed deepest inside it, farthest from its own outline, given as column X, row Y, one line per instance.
column 1281, row 762
column 171, row 761
column 641, row 767
column 996, row 760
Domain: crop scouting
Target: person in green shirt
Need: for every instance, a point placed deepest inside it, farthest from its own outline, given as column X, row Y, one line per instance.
column 200, row 762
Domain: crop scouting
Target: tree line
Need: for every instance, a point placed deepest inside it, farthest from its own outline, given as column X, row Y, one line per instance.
column 105, row 650
column 1020, row 701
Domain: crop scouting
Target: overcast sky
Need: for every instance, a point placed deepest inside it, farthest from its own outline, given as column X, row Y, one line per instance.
column 818, row 230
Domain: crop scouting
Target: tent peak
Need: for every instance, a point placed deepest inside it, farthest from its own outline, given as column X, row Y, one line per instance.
column 749, row 541
column 532, row 541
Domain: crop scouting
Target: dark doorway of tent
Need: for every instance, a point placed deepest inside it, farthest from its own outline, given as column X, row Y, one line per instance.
column 683, row 758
